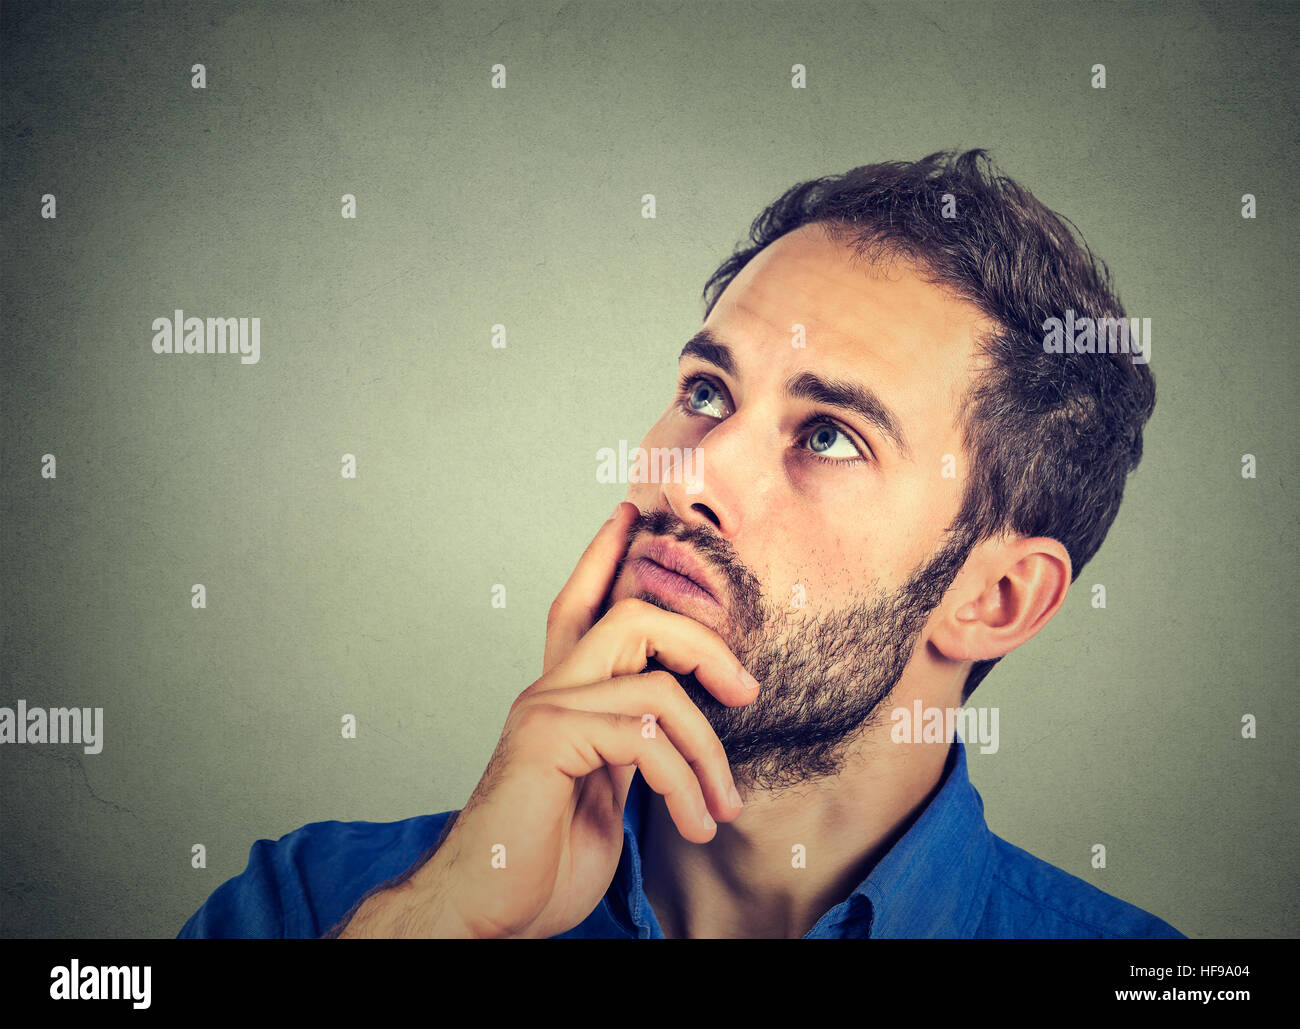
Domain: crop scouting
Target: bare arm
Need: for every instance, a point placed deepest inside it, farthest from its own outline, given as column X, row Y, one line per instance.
column 357, row 925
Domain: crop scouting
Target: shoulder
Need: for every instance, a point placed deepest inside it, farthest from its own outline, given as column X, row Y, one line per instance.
column 306, row 881
column 1030, row 898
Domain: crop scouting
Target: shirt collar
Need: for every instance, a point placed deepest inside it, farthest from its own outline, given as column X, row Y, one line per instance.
column 933, row 882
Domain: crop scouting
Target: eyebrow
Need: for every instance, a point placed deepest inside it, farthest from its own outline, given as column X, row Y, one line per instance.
column 707, row 347
column 840, row 393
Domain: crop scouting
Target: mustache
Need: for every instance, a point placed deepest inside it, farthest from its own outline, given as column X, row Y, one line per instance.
column 714, row 552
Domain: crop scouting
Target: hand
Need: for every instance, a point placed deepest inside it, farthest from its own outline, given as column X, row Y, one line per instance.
column 538, row 842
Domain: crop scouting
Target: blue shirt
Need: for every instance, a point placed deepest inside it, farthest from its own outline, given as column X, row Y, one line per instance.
column 947, row 876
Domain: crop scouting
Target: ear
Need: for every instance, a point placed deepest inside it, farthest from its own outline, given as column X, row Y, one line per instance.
column 1003, row 598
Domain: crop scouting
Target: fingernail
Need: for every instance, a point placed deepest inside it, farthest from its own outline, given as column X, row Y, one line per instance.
column 616, row 510
column 735, row 797
column 708, row 821
column 748, row 681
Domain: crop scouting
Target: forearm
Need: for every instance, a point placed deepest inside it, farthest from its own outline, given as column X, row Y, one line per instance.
column 411, row 906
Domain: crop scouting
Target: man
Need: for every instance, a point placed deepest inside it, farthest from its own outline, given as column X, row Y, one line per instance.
column 893, row 482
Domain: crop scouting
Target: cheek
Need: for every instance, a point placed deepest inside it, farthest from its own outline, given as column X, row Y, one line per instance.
column 870, row 534
column 924, row 506
column 816, row 569
column 813, row 580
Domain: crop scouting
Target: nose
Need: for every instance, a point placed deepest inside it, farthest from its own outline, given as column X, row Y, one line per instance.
column 705, row 486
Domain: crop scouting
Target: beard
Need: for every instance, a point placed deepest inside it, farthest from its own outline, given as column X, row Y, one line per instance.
column 822, row 678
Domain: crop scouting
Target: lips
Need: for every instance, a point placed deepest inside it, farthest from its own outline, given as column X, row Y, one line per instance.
column 677, row 559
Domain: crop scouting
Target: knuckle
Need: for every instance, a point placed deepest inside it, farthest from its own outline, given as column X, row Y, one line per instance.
column 555, row 613
column 673, row 689
column 617, row 720
column 670, row 694
column 661, row 681
column 524, row 697
column 536, row 717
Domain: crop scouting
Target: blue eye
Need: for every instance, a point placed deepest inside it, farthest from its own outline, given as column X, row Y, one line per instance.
column 827, row 441
column 820, row 439
column 705, row 398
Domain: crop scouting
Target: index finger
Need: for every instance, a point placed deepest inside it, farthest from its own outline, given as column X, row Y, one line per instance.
column 577, row 606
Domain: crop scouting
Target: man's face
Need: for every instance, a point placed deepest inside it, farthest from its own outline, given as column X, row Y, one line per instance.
column 808, row 515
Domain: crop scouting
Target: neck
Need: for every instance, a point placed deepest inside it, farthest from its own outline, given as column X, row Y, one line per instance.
column 747, row 882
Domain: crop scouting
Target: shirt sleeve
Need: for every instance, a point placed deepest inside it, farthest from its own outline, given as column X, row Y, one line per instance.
column 302, row 884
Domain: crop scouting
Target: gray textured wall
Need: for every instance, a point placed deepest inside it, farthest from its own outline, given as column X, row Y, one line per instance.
column 521, row 206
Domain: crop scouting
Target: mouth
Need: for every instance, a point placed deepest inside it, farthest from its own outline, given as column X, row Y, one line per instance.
column 669, row 572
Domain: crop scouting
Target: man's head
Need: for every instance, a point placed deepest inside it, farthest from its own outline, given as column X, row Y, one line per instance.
column 890, row 480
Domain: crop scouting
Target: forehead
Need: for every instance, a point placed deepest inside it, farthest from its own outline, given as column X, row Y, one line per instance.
column 885, row 327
